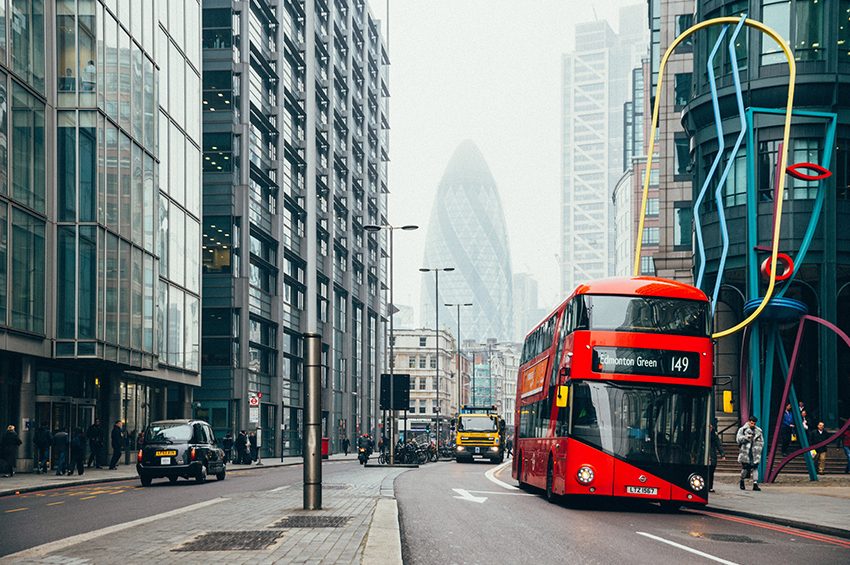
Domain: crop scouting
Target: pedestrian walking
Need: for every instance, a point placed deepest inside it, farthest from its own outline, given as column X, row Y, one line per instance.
column 227, row 445
column 750, row 440
column 509, row 447
column 845, row 443
column 41, row 440
column 9, row 447
column 345, row 445
column 715, row 451
column 818, row 435
column 60, row 451
column 117, row 440
column 252, row 440
column 78, row 452
column 242, row 448
column 786, row 428
column 95, row 438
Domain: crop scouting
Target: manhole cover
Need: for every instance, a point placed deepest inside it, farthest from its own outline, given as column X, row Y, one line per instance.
column 313, row 522
column 232, row 541
column 733, row 538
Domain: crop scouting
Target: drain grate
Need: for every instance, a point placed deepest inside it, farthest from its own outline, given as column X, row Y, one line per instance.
column 232, row 541
column 313, row 522
column 732, row 538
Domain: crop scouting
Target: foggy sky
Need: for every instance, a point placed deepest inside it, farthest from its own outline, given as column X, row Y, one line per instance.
column 490, row 71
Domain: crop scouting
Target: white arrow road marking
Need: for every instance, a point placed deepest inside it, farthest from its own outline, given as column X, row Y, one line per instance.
column 490, row 475
column 466, row 495
column 686, row 548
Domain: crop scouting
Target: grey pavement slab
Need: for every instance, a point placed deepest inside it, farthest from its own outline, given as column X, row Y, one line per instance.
column 823, row 505
column 245, row 518
column 29, row 482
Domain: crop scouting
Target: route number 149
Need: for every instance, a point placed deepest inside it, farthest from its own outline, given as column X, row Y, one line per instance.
column 679, row 364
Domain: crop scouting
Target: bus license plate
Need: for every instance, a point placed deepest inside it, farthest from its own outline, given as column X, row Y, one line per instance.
column 642, row 490
column 477, row 450
column 165, row 461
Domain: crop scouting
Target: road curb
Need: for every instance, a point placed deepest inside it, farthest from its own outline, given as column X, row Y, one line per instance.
column 383, row 541
column 806, row 526
column 83, row 482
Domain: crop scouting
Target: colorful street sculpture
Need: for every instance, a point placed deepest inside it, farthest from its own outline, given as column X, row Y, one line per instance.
column 762, row 315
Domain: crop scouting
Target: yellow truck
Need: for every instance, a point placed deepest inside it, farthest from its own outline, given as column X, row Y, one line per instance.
column 480, row 433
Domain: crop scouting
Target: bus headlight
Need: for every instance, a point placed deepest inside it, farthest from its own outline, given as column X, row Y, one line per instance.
column 585, row 475
column 697, row 482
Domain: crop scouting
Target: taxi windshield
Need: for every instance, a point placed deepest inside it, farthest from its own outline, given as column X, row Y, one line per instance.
column 477, row 424
column 168, row 433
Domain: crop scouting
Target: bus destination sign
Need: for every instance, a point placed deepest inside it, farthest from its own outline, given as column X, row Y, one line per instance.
column 649, row 362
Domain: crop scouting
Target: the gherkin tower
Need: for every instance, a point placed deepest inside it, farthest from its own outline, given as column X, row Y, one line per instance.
column 467, row 231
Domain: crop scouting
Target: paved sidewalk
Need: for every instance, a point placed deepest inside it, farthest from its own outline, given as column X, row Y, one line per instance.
column 822, row 506
column 358, row 524
column 29, row 482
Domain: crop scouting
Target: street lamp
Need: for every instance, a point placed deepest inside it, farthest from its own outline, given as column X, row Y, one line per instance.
column 375, row 228
column 436, row 271
column 459, row 374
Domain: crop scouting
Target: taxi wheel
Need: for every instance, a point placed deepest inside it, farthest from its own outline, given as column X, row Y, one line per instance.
column 146, row 481
column 220, row 476
column 172, row 479
column 201, row 477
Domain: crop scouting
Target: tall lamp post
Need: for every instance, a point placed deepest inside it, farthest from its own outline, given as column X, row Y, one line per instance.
column 436, row 272
column 459, row 374
column 375, row 228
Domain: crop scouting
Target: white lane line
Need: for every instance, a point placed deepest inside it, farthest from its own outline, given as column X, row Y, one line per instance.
column 502, row 493
column 58, row 545
column 278, row 489
column 686, row 548
column 490, row 475
column 465, row 495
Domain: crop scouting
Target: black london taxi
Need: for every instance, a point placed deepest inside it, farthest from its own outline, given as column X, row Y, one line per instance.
column 179, row 448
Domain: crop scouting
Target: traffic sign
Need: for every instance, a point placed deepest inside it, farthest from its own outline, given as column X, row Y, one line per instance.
column 253, row 401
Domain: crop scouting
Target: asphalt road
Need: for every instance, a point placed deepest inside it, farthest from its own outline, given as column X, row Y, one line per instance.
column 31, row 519
column 487, row 523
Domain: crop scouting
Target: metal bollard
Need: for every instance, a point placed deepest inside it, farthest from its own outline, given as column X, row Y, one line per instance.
column 313, row 422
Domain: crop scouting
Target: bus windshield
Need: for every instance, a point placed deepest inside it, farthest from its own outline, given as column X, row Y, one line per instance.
column 640, row 423
column 647, row 314
column 477, row 424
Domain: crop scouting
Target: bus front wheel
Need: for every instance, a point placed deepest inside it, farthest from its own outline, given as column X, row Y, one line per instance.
column 550, row 493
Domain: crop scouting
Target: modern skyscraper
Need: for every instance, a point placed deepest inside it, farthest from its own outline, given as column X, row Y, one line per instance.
column 295, row 150
column 100, row 205
column 467, row 231
column 595, row 87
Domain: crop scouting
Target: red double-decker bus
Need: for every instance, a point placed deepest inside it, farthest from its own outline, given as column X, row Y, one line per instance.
column 613, row 394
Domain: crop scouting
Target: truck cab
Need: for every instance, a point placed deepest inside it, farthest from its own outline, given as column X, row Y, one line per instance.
column 480, row 433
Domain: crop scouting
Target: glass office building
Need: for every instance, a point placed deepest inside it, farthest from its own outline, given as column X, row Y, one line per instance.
column 294, row 160
column 99, row 211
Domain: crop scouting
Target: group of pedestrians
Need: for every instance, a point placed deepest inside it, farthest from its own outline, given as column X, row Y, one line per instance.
column 68, row 448
column 247, row 449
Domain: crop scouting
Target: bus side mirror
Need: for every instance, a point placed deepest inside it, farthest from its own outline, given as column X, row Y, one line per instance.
column 563, row 396
column 728, row 404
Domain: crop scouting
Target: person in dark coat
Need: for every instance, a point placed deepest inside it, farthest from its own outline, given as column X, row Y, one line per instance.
column 242, row 448
column 117, row 440
column 816, row 436
column 345, row 445
column 95, row 437
column 9, row 444
column 252, row 440
column 227, row 445
column 715, row 451
column 60, row 451
column 42, row 440
column 78, row 452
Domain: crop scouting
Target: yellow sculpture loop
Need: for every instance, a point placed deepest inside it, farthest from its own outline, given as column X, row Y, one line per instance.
column 783, row 162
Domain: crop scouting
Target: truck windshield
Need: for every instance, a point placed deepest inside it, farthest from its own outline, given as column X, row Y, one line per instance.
column 648, row 314
column 642, row 424
column 168, row 433
column 477, row 424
